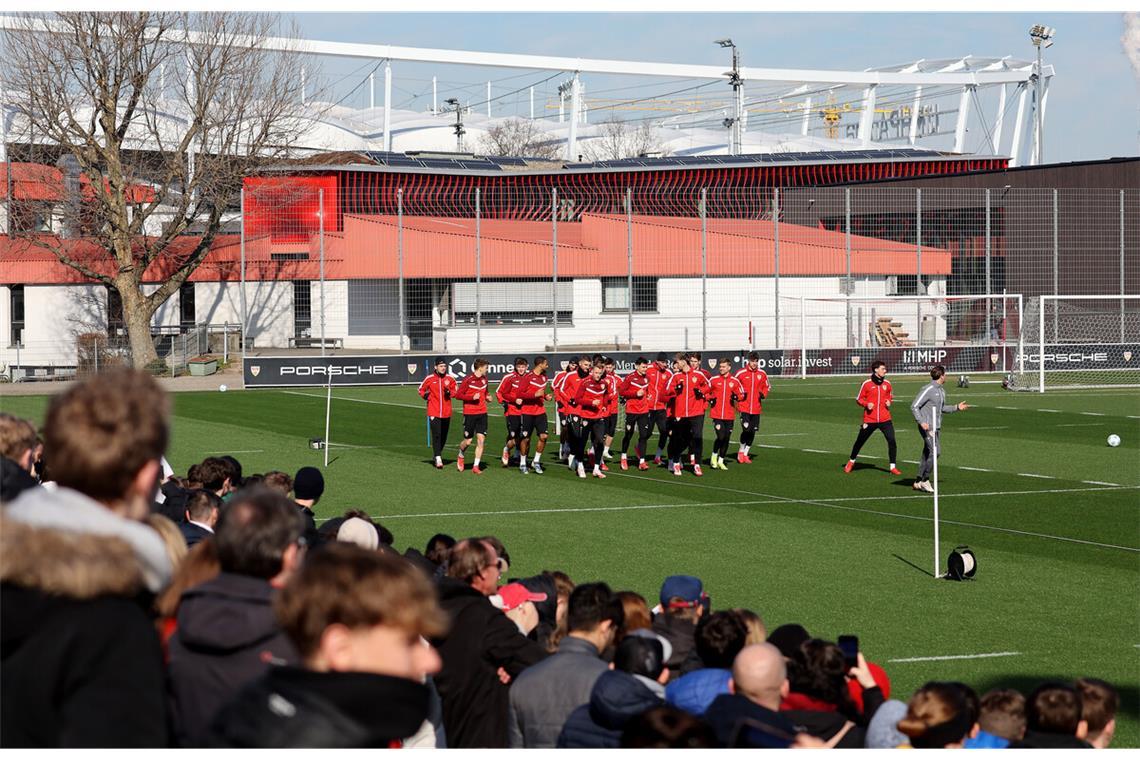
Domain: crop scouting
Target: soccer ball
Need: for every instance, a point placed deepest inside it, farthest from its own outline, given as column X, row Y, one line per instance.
column 223, row 388
column 1114, row 440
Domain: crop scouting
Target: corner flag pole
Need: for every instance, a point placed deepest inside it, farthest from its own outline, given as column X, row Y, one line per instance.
column 328, row 415
column 934, row 452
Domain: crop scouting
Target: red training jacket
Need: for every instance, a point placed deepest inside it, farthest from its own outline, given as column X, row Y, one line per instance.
column 725, row 389
column 686, row 386
column 613, row 383
column 633, row 383
column 506, row 393
column 592, row 398
column 471, row 386
column 531, row 389
column 877, row 394
column 659, row 382
column 437, row 390
column 556, row 386
column 755, row 383
column 569, row 389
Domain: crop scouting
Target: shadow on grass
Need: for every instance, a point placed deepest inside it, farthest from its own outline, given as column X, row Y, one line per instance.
column 906, row 561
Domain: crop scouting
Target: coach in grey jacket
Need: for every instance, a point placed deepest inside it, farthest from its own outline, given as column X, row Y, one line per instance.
column 928, row 407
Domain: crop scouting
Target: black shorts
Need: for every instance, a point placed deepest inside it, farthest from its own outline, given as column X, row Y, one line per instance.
column 474, row 424
column 719, row 425
column 611, row 425
column 533, row 424
column 750, row 421
column 514, row 427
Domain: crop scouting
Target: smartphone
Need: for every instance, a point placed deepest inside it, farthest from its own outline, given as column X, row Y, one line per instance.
column 850, row 646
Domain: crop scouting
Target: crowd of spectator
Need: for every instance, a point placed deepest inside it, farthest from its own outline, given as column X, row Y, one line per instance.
column 141, row 608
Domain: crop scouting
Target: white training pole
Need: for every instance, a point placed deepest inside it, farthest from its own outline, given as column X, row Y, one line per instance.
column 328, row 415
column 934, row 453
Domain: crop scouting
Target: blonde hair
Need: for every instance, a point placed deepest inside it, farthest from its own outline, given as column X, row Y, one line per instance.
column 171, row 536
column 757, row 631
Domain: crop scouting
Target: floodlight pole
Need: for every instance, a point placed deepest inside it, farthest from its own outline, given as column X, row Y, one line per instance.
column 1039, row 143
column 736, row 123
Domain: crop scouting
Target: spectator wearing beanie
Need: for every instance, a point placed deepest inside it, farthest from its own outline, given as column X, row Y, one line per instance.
column 719, row 638
column 1053, row 719
column 359, row 532
column 635, row 684
column 682, row 601
column 308, row 487
column 543, row 697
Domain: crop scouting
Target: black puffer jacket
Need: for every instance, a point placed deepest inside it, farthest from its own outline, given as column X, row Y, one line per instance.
column 81, row 661
column 227, row 637
column 480, row 641
column 290, row 707
column 617, row 698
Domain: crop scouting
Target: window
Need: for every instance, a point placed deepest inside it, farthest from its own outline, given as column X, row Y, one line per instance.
column 615, row 294
column 302, row 309
column 512, row 302
column 186, row 304
column 16, row 302
column 116, row 324
column 902, row 285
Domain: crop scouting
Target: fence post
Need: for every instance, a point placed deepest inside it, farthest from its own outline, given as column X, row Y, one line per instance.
column 478, row 279
column 1122, row 331
column 321, row 230
column 1056, row 280
column 918, row 264
column 554, row 262
column 704, row 272
column 225, row 342
column 803, row 339
column 776, row 270
column 241, row 294
column 629, row 258
column 850, row 289
column 400, row 266
column 989, row 284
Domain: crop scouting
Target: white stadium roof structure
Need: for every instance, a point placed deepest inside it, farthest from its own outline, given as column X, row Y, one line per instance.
column 377, row 97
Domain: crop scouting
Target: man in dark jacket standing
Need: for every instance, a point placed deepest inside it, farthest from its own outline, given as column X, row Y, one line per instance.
column 481, row 642
column 227, row 635
column 357, row 617
column 683, row 601
column 543, row 697
column 759, row 682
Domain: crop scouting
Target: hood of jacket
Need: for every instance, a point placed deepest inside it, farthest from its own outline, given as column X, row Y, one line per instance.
column 617, row 698
column 226, row 614
column 695, row 691
column 65, row 510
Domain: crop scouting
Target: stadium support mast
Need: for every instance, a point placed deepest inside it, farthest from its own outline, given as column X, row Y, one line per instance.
column 575, row 106
column 459, row 130
column 1042, row 37
column 735, row 138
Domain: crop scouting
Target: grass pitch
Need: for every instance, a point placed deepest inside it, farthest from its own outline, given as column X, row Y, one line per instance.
column 1027, row 481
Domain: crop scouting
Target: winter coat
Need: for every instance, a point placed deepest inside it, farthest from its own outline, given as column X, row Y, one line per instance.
column 1039, row 740
column 291, row 707
column 696, row 690
column 824, row 721
column 14, row 480
column 616, row 699
column 544, row 695
column 227, row 636
column 193, row 533
column 80, row 660
column 728, row 711
column 480, row 641
column 681, row 634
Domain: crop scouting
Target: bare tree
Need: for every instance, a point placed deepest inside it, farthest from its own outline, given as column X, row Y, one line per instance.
column 156, row 118
column 621, row 139
column 518, row 137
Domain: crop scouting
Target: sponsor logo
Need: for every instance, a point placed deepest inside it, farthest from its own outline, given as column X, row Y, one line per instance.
column 924, row 356
column 564, row 364
column 255, row 370
column 458, row 367
column 335, row 371
column 855, row 360
column 1127, row 356
column 712, row 363
column 1076, row 357
column 411, row 368
column 993, row 358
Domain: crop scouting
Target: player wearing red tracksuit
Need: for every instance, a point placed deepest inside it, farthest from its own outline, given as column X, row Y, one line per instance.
column 437, row 389
column 571, row 423
column 659, row 375
column 874, row 398
column 756, row 389
column 691, row 389
column 591, row 403
column 560, row 408
column 531, row 390
column 512, row 407
column 614, row 382
column 637, row 391
column 695, row 364
column 726, row 391
column 473, row 393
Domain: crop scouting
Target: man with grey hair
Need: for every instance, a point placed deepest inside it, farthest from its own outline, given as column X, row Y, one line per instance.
column 928, row 407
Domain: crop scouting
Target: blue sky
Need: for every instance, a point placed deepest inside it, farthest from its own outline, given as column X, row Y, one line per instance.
column 1092, row 108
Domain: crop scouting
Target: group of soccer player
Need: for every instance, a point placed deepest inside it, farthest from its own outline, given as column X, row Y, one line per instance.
column 669, row 398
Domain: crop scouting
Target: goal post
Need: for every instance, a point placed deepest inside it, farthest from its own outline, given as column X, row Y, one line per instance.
column 972, row 331
column 1081, row 341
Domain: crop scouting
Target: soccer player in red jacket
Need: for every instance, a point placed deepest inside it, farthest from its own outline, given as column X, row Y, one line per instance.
column 591, row 401
column 614, row 383
column 565, row 395
column 637, row 391
column 473, row 393
column 659, row 375
column 512, row 407
column 691, row 389
column 875, row 396
column 561, row 408
column 726, row 390
column 437, row 389
column 531, row 390
column 756, row 389
column 695, row 364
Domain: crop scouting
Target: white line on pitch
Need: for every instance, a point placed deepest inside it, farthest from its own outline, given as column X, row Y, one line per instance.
column 1009, row 408
column 238, row 451
column 974, row 469
column 1001, row 427
column 1099, row 483
column 1092, row 414
column 1134, row 417
column 548, row 510
column 781, row 435
column 815, row 451
column 1050, row 411
column 956, row 657
column 769, row 446
column 1082, row 424
column 911, row 461
column 1032, row 475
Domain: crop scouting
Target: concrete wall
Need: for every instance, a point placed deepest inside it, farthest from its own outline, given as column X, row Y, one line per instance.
column 54, row 315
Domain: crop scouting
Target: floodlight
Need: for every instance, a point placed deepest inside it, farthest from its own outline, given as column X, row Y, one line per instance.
column 724, row 43
column 1041, row 35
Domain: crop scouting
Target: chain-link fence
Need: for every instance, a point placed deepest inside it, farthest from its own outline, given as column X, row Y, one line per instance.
column 332, row 263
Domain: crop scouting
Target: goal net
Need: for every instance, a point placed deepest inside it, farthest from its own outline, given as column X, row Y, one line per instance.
column 914, row 328
column 1080, row 342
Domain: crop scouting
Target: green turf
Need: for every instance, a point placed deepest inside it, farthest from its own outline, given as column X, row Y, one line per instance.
column 790, row 536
